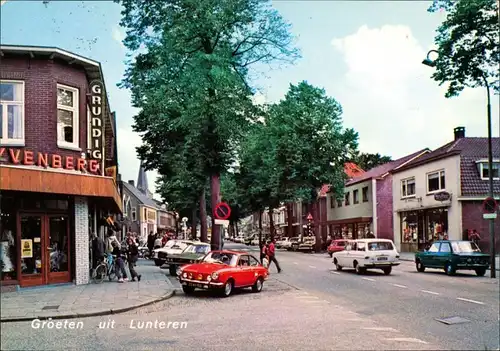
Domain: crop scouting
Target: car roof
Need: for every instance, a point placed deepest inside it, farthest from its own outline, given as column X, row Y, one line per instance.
column 232, row 252
column 373, row 240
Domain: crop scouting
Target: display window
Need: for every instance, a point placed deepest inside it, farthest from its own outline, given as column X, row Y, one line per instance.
column 409, row 223
column 437, row 224
column 8, row 248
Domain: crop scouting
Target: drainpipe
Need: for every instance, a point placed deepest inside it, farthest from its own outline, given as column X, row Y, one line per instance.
column 374, row 207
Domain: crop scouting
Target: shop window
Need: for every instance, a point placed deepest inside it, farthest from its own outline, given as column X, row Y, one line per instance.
column 409, row 227
column 408, row 187
column 485, row 170
column 355, row 196
column 435, row 181
column 134, row 214
column 437, row 224
column 365, row 194
column 332, row 201
column 8, row 250
column 67, row 117
column 347, row 198
column 12, row 113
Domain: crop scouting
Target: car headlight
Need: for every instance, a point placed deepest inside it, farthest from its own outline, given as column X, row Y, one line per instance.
column 209, row 278
column 184, row 275
column 215, row 275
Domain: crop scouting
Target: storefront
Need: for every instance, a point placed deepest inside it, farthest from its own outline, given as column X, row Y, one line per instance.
column 352, row 228
column 420, row 228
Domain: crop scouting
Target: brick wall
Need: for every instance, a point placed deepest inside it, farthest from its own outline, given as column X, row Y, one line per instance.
column 81, row 241
column 41, row 77
column 472, row 218
column 384, row 208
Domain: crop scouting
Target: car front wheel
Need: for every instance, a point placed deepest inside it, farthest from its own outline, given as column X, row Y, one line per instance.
column 420, row 267
column 449, row 269
column 257, row 287
column 481, row 272
column 359, row 269
column 227, row 289
column 387, row 270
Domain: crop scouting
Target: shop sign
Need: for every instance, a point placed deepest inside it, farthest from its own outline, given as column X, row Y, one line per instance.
column 442, row 196
column 27, row 248
column 97, row 121
column 46, row 160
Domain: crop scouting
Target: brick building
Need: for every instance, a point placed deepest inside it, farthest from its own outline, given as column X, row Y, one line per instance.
column 440, row 194
column 58, row 164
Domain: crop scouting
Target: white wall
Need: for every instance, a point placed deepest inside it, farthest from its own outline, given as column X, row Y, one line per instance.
column 421, row 200
column 362, row 209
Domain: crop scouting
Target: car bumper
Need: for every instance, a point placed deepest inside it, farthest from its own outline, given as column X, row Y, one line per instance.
column 471, row 266
column 201, row 284
column 380, row 264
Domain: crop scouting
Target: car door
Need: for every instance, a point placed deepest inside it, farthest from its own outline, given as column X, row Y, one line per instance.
column 443, row 255
column 429, row 257
column 244, row 273
column 347, row 254
column 254, row 264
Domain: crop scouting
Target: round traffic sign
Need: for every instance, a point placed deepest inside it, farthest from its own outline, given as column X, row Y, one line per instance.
column 489, row 205
column 222, row 211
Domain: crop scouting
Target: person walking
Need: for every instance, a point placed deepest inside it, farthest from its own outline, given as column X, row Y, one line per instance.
column 132, row 255
column 151, row 243
column 98, row 249
column 475, row 237
column 271, row 252
column 157, row 242
column 263, row 253
column 120, row 271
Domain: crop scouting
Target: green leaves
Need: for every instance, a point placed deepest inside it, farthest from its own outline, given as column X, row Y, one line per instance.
column 468, row 45
column 368, row 161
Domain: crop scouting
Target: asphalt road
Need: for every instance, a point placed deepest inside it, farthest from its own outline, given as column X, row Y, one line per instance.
column 306, row 307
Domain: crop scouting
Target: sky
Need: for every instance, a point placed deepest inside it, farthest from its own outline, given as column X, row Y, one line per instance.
column 365, row 54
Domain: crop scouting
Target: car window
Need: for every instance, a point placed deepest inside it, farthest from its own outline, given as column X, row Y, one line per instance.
column 434, row 248
column 361, row 246
column 253, row 261
column 340, row 243
column 244, row 261
column 380, row 246
column 354, row 246
column 445, row 247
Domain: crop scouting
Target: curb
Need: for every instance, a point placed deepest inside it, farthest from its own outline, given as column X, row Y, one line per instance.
column 90, row 314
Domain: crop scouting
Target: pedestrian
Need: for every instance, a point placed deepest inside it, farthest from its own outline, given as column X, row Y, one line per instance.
column 157, row 242
column 98, row 250
column 112, row 239
column 120, row 271
column 132, row 255
column 263, row 252
column 475, row 237
column 271, row 253
column 151, row 243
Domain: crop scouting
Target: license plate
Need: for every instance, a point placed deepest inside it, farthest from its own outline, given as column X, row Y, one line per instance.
column 382, row 259
column 195, row 285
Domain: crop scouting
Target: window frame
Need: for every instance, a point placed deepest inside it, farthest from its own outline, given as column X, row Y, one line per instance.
column 347, row 198
column 405, row 183
column 133, row 214
column 332, row 201
column 355, row 196
column 484, row 165
column 365, row 198
column 441, row 188
column 75, row 145
column 5, row 118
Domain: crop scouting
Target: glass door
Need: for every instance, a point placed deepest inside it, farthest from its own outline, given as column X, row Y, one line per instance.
column 57, row 252
column 30, row 251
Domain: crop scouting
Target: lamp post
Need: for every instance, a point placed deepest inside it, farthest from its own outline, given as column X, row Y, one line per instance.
column 432, row 63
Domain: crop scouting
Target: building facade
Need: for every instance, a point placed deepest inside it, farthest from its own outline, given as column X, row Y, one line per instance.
column 440, row 194
column 58, row 164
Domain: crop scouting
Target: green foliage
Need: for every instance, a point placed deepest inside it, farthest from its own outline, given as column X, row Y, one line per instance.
column 468, row 45
column 367, row 161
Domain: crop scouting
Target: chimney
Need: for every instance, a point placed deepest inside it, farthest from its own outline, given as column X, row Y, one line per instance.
column 459, row 132
column 131, row 182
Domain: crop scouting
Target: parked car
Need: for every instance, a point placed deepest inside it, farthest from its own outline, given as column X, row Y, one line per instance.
column 172, row 247
column 239, row 239
column 280, row 244
column 293, row 244
column 192, row 254
column 453, row 255
column 336, row 246
column 248, row 240
column 223, row 271
column 363, row 254
column 308, row 244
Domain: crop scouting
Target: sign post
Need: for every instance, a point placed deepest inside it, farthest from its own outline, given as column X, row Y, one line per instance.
column 490, row 207
column 222, row 212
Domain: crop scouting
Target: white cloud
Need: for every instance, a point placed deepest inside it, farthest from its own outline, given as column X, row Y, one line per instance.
column 389, row 98
column 118, row 35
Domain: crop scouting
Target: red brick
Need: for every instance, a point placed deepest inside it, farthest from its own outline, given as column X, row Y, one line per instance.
column 472, row 218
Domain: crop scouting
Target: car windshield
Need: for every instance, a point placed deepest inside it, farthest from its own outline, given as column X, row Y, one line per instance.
column 179, row 245
column 199, row 249
column 294, row 239
column 340, row 243
column 464, row 247
column 222, row 258
column 380, row 246
column 170, row 243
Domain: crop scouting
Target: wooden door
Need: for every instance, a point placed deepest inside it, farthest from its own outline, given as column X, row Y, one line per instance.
column 31, row 258
column 57, row 249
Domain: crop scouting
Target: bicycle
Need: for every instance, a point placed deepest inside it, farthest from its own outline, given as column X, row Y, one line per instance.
column 105, row 268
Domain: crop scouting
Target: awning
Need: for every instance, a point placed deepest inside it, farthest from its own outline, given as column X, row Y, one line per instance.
column 44, row 181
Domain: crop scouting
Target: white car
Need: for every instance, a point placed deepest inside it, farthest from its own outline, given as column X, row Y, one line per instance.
column 255, row 241
column 363, row 254
column 172, row 247
column 239, row 239
column 282, row 243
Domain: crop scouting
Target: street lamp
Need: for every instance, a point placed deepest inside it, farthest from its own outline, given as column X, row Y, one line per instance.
column 432, row 63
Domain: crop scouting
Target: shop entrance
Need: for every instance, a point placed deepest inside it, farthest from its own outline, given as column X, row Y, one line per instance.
column 44, row 249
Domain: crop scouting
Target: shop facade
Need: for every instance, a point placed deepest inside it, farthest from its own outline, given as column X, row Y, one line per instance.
column 58, row 165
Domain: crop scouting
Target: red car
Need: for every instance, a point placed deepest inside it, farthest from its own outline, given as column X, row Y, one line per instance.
column 336, row 246
column 223, row 271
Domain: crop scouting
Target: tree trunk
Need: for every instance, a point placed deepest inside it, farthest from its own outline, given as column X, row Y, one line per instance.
column 237, row 230
column 215, row 192
column 289, row 214
column 194, row 222
column 203, row 217
column 271, row 223
column 260, row 231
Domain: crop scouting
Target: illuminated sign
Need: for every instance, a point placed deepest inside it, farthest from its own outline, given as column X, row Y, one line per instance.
column 97, row 121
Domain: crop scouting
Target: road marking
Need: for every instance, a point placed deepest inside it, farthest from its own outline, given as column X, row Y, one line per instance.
column 312, row 266
column 295, row 263
column 307, row 297
column 430, row 292
column 399, row 286
column 408, row 340
column 336, row 273
column 381, row 329
column 369, row 279
column 473, row 301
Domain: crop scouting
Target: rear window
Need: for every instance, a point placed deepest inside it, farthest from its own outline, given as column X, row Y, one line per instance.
column 380, row 246
column 340, row 243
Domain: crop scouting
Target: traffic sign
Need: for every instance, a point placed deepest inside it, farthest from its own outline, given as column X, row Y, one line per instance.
column 489, row 205
column 309, row 217
column 222, row 211
column 489, row 216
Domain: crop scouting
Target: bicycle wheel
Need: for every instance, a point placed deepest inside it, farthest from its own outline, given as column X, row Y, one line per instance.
column 99, row 274
column 111, row 273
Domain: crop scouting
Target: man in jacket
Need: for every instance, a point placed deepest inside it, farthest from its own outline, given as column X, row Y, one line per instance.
column 151, row 243
column 271, row 253
column 132, row 255
column 98, row 249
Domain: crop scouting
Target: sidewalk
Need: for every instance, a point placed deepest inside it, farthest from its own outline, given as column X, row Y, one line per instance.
column 410, row 256
column 71, row 301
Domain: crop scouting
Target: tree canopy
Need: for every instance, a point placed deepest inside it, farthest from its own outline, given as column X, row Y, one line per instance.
column 468, row 44
column 367, row 161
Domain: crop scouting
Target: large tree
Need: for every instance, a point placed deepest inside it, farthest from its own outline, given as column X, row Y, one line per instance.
column 198, row 56
column 367, row 161
column 468, row 44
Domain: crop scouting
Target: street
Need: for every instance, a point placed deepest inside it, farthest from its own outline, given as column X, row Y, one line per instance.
column 308, row 306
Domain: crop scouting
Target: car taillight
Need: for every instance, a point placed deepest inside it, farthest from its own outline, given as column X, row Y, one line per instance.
column 367, row 257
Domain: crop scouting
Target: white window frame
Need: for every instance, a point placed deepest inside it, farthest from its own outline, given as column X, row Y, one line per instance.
column 439, row 177
column 75, row 145
column 126, row 202
column 405, row 182
column 5, row 117
column 133, row 215
column 484, row 164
